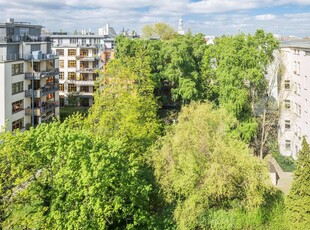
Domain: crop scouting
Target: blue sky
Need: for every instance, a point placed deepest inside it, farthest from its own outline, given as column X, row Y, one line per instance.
column 210, row 17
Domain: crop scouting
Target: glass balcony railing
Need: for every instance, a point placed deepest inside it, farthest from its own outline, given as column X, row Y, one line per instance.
column 41, row 74
column 47, row 89
column 40, row 111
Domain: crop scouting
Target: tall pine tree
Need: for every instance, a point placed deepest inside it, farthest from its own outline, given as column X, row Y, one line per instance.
column 298, row 200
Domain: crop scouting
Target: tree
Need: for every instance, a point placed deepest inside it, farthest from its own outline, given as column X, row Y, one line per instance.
column 60, row 175
column 209, row 174
column 298, row 200
column 161, row 30
column 125, row 107
column 240, row 64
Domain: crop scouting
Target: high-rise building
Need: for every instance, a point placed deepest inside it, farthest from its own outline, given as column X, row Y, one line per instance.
column 80, row 58
column 294, row 96
column 28, row 76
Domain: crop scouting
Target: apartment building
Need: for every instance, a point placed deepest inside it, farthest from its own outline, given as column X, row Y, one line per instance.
column 294, row 96
column 80, row 58
column 28, row 76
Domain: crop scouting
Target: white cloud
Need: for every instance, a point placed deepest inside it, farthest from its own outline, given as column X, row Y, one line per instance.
column 265, row 17
column 206, row 16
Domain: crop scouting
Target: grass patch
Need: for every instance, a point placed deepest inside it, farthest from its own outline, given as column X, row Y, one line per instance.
column 66, row 111
column 286, row 163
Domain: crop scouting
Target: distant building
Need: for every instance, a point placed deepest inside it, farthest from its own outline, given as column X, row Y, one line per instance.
column 80, row 56
column 294, row 96
column 180, row 27
column 29, row 89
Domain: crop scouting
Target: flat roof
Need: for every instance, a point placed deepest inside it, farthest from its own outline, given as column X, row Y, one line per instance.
column 304, row 44
column 20, row 24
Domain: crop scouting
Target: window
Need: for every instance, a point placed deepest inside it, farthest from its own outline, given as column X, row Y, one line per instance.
column 306, row 83
column 50, row 96
column 71, row 88
column 288, row 145
column 61, row 75
column 61, row 87
column 71, row 52
column 61, row 64
column 50, row 65
column 307, row 53
column 84, row 89
column 17, row 106
column 298, row 68
column 287, row 84
column 72, row 76
column 17, row 69
column 59, row 41
column 287, row 104
column 17, row 87
column 306, row 105
column 71, row 63
column 297, row 131
column 73, row 40
column 297, row 88
column 60, row 52
column 84, row 53
column 18, row 124
column 287, row 124
column 297, row 109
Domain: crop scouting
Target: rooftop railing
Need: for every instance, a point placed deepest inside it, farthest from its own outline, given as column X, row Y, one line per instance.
column 24, row 38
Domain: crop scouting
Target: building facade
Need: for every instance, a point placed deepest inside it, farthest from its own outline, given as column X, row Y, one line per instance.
column 29, row 86
column 80, row 58
column 294, row 96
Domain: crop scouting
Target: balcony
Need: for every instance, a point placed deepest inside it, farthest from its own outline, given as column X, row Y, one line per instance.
column 86, row 70
column 47, row 89
column 87, row 58
column 40, row 111
column 42, row 74
column 24, row 38
column 40, row 57
column 9, row 57
column 83, row 82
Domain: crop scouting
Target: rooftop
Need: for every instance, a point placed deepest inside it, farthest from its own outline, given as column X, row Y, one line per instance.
column 305, row 44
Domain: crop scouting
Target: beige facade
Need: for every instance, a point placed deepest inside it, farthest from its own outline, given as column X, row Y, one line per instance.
column 294, row 97
column 80, row 59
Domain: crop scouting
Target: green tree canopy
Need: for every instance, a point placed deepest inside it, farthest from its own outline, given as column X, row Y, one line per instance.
column 61, row 176
column 206, row 172
column 159, row 30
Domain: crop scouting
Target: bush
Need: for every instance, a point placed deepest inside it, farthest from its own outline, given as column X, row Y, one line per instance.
column 66, row 111
column 287, row 163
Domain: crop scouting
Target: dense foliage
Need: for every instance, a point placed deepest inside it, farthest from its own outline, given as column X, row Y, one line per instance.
column 119, row 167
column 298, row 200
column 209, row 174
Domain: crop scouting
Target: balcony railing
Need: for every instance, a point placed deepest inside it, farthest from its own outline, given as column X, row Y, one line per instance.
column 9, row 57
column 41, row 57
column 82, row 82
column 39, row 111
column 86, row 70
column 42, row 74
column 24, row 38
column 47, row 89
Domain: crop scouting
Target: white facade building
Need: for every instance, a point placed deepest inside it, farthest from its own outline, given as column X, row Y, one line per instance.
column 80, row 56
column 294, row 97
column 28, row 76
